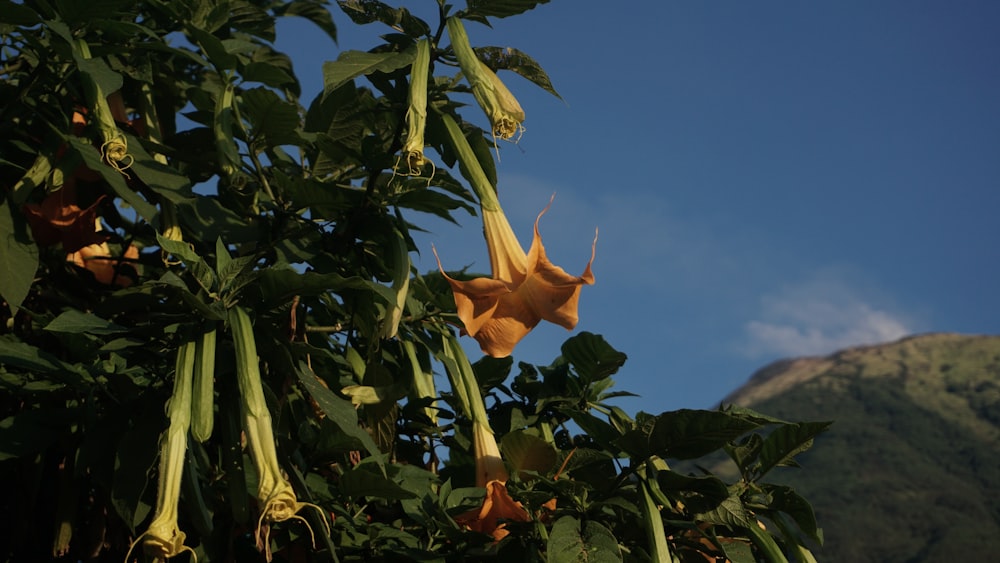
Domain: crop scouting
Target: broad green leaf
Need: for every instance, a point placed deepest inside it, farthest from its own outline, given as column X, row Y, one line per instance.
column 313, row 10
column 684, row 434
column 337, row 410
column 267, row 73
column 278, row 285
column 784, row 443
column 271, row 118
column 75, row 322
column 214, row 49
column 370, row 11
column 501, row 8
column 700, row 494
column 352, row 64
column 508, row 58
column 431, row 201
column 785, row 499
column 592, row 357
column 462, row 499
column 744, row 453
column 491, row 372
column 20, row 257
column 362, row 482
column 730, row 512
column 596, row 429
column 591, row 543
column 99, row 72
column 524, row 451
column 28, row 357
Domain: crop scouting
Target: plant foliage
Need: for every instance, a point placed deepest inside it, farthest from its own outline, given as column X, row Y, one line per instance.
column 171, row 211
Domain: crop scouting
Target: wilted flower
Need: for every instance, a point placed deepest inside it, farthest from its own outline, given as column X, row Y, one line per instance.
column 524, row 289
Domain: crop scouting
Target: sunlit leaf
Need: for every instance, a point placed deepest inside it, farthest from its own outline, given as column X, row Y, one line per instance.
column 352, row 64
column 340, row 411
column 509, row 58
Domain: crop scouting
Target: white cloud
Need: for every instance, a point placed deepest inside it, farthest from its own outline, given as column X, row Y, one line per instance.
column 819, row 317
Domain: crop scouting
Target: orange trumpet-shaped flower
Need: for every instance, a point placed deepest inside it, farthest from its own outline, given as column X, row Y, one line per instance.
column 58, row 219
column 492, row 475
column 96, row 258
column 524, row 290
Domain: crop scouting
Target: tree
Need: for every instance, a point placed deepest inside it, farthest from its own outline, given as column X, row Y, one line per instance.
column 182, row 236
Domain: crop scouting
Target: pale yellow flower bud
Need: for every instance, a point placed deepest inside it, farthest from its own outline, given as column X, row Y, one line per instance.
column 502, row 109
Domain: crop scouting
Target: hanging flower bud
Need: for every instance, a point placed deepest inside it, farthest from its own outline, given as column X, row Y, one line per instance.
column 502, row 109
column 416, row 114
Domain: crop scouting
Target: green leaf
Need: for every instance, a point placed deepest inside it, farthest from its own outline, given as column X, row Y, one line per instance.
column 786, row 500
column 491, row 371
column 313, row 10
column 730, row 512
column 500, row 8
column 508, row 58
column 163, row 179
column 527, row 452
column 352, row 64
column 267, row 73
column 28, row 357
column 99, row 72
column 362, row 482
column 20, row 257
column 339, row 411
column 271, row 118
column 76, row 322
column 684, row 434
column 593, row 543
column 214, row 49
column 700, row 494
column 592, row 357
column 278, row 285
column 595, row 428
column 370, row 11
column 781, row 446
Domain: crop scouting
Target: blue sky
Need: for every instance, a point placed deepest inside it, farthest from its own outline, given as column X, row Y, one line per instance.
column 770, row 179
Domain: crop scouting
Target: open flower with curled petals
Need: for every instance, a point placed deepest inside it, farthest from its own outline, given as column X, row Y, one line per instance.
column 524, row 289
column 498, row 507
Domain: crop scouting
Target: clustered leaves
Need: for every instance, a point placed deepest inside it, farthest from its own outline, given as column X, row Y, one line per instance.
column 214, row 343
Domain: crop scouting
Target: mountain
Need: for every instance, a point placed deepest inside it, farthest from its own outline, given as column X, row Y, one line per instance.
column 910, row 470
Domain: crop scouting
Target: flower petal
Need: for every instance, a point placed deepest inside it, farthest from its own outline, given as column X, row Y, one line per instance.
column 507, row 258
column 511, row 321
column 498, row 505
column 551, row 293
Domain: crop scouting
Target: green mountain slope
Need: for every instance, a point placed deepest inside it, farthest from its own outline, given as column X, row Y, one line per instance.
column 910, row 470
